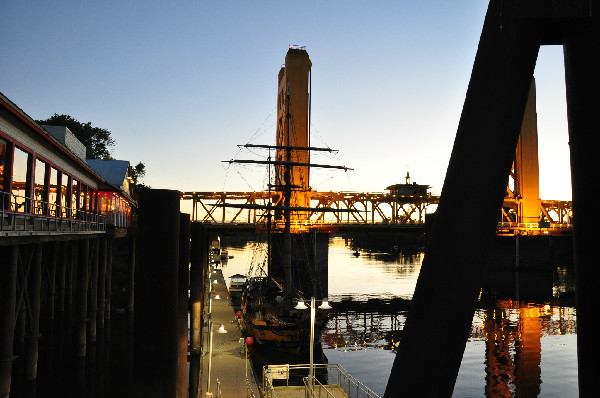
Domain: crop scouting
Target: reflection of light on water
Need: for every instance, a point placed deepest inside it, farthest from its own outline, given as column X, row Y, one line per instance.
column 364, row 343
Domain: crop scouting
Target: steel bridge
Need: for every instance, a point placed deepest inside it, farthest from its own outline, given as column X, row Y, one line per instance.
column 363, row 211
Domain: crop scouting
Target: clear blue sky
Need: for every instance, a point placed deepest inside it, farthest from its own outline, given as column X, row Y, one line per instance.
column 181, row 83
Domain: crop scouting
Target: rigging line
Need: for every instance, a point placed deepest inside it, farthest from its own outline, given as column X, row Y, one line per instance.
column 246, row 181
column 264, row 121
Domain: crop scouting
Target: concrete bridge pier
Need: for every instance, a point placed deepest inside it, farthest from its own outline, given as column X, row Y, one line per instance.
column 582, row 70
column 429, row 355
column 430, row 352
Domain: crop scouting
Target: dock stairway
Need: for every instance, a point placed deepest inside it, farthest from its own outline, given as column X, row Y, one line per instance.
column 330, row 381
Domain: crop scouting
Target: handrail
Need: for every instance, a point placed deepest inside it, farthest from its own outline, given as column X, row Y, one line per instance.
column 310, row 390
column 37, row 215
column 336, row 375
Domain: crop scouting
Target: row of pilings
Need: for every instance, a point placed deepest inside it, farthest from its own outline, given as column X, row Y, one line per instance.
column 55, row 297
column 57, row 301
column 172, row 262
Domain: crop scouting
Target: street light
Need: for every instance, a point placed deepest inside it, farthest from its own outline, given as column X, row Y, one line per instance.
column 301, row 306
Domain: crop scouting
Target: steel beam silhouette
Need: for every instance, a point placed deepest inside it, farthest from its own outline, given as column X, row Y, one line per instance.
column 433, row 340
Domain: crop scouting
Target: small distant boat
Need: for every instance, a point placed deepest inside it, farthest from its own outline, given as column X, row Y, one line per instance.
column 237, row 284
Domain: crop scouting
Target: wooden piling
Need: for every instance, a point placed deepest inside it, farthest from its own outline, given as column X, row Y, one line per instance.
column 198, row 266
column 131, row 280
column 182, row 304
column 156, row 293
column 8, row 298
column 109, row 263
column 51, row 268
column 60, row 276
column 33, row 292
column 83, row 250
column 93, row 292
column 102, row 263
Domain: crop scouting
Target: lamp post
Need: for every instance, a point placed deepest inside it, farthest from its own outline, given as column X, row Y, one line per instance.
column 301, row 306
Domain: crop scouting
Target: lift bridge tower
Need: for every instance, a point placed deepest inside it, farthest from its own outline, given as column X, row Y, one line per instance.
column 293, row 120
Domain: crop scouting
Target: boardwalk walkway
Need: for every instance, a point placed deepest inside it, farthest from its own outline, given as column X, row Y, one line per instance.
column 228, row 364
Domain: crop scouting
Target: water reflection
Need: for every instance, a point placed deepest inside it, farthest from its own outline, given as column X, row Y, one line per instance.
column 523, row 337
column 522, row 332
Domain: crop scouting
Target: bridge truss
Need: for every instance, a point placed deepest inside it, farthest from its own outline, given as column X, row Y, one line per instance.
column 368, row 208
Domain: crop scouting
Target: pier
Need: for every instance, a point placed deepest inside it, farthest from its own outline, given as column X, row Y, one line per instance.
column 77, row 249
column 228, row 371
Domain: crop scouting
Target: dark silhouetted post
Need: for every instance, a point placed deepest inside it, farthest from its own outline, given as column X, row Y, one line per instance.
column 83, row 251
column 182, row 304
column 156, row 294
column 198, row 266
column 8, row 299
column 101, row 282
column 93, row 293
column 431, row 349
column 582, row 70
column 34, row 291
column 131, row 287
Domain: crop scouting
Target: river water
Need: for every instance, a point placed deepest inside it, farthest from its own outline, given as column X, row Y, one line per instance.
column 523, row 340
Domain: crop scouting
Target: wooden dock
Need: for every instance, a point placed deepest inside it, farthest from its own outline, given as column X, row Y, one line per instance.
column 230, row 371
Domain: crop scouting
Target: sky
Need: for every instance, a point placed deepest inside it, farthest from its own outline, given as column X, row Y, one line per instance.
column 181, row 83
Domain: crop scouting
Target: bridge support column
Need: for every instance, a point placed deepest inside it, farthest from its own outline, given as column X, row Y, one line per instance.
column 8, row 300
column 156, row 294
column 454, row 262
column 582, row 70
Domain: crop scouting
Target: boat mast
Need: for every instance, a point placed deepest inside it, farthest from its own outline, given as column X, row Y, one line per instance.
column 269, row 225
column 287, row 193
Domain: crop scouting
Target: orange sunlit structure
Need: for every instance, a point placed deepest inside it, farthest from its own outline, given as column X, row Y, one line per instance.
column 292, row 127
column 523, row 212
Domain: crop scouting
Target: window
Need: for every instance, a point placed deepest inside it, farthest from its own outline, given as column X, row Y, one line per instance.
column 3, row 167
column 74, row 201
column 39, row 187
column 53, row 193
column 19, row 179
column 64, row 195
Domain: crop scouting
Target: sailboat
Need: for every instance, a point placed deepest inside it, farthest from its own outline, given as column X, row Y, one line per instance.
column 296, row 260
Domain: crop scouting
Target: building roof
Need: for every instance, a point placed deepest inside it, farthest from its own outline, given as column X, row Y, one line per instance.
column 113, row 171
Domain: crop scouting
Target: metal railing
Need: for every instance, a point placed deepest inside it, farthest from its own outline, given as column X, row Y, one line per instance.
column 327, row 377
column 22, row 214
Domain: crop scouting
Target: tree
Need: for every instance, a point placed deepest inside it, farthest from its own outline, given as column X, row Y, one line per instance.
column 138, row 172
column 97, row 141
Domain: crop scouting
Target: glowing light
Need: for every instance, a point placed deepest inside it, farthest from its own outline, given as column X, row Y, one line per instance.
column 300, row 305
